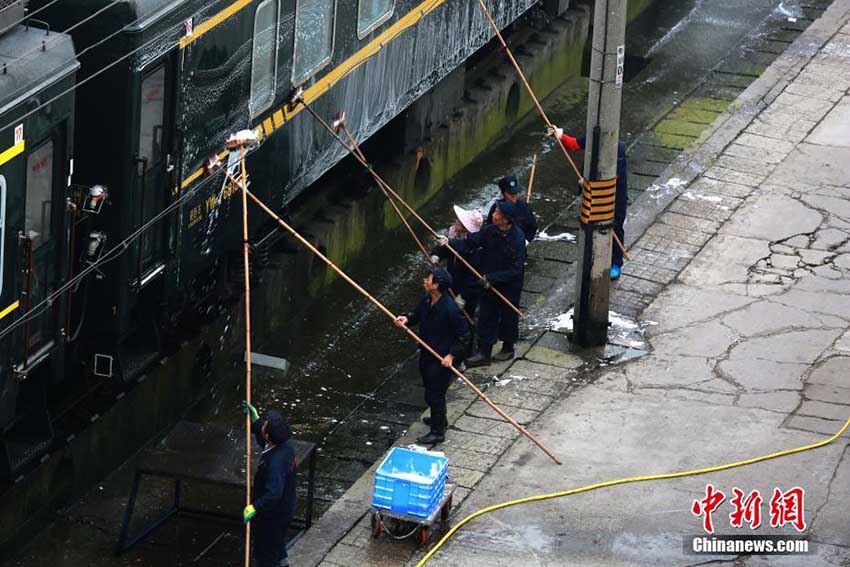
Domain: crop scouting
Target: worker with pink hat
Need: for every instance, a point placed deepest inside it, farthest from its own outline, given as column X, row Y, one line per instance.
column 469, row 221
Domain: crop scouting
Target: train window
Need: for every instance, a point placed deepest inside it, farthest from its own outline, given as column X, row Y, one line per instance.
column 371, row 14
column 39, row 194
column 2, row 227
column 264, row 63
column 314, row 37
column 151, row 116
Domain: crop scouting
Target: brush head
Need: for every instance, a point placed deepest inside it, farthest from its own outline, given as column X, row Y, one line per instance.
column 212, row 164
column 338, row 121
column 296, row 99
column 242, row 138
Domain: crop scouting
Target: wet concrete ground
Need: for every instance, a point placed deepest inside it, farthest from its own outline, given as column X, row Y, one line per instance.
column 749, row 356
column 356, row 396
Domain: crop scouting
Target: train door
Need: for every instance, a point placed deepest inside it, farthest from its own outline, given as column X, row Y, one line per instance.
column 41, row 242
column 36, row 346
column 155, row 166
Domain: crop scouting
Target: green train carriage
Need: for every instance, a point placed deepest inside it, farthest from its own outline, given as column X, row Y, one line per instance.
column 36, row 143
column 161, row 84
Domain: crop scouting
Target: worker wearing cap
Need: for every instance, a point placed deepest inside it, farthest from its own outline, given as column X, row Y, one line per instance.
column 511, row 191
column 503, row 251
column 464, row 283
column 273, row 497
column 621, row 201
column 444, row 329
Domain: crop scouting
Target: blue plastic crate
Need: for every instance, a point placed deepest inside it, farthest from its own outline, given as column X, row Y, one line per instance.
column 410, row 482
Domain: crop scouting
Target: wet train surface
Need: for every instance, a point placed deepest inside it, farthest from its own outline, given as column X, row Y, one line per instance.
column 352, row 386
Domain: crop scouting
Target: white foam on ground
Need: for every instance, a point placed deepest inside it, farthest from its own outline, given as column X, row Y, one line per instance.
column 565, row 236
column 621, row 326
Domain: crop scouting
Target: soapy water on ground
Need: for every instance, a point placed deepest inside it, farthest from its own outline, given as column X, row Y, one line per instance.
column 709, row 198
column 657, row 191
column 623, row 331
column 564, row 236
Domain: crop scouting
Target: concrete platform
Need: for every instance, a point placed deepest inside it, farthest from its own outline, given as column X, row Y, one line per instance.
column 747, row 322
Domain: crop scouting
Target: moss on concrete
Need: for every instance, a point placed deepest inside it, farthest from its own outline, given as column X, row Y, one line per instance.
column 672, row 141
column 680, row 127
column 693, row 115
column 706, row 103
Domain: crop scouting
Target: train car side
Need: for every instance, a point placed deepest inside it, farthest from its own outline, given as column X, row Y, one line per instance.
column 35, row 165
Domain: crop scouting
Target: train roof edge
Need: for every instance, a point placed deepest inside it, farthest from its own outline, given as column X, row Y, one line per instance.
column 31, row 59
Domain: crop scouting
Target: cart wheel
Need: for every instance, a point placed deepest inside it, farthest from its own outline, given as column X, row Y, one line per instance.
column 447, row 509
column 424, row 534
column 376, row 526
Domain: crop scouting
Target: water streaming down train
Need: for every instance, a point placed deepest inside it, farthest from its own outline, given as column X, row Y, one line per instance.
column 105, row 127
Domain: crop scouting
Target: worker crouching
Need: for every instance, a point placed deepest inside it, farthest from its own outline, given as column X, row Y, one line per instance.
column 274, row 498
column 444, row 329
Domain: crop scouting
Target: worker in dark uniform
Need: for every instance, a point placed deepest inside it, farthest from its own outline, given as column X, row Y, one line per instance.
column 511, row 191
column 273, row 497
column 621, row 201
column 444, row 329
column 502, row 246
column 464, row 283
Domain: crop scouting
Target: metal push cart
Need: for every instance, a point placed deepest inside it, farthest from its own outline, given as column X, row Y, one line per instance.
column 403, row 526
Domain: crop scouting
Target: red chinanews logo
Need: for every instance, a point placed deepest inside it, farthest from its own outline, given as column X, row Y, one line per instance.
column 784, row 508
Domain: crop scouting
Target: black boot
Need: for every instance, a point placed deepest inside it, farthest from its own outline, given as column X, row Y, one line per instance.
column 482, row 358
column 435, row 437
column 507, row 353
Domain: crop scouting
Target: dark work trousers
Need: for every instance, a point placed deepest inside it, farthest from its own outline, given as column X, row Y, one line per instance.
column 621, row 202
column 436, row 379
column 496, row 320
column 472, row 301
column 269, row 535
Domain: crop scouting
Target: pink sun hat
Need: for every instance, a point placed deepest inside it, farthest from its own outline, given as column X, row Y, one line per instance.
column 471, row 220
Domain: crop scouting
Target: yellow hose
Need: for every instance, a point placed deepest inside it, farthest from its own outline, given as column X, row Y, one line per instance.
column 590, row 487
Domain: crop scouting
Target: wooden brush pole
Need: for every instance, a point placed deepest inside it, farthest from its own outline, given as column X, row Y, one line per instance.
column 354, row 147
column 620, row 244
column 530, row 91
column 246, row 264
column 393, row 317
column 412, row 211
column 531, row 178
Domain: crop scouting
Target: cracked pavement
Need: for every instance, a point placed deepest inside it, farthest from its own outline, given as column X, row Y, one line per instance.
column 739, row 284
column 746, row 274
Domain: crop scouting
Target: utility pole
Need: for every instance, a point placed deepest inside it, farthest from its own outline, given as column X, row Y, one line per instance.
column 600, row 169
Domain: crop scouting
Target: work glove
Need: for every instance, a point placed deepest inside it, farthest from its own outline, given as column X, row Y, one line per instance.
column 460, row 301
column 443, row 240
column 248, row 513
column 251, row 410
column 485, row 283
column 555, row 131
column 435, row 259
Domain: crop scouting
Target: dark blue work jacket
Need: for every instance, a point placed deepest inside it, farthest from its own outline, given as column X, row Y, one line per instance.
column 622, row 166
column 464, row 282
column 274, row 482
column 502, row 254
column 525, row 218
column 442, row 326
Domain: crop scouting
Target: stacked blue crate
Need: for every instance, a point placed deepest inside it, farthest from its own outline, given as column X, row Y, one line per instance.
column 410, row 482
